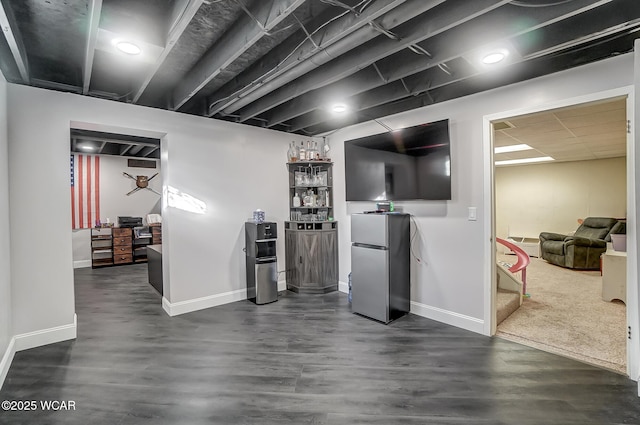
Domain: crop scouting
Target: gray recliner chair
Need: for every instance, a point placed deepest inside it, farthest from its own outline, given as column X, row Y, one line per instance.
column 581, row 250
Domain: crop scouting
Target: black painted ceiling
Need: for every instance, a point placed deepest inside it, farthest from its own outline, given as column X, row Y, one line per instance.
column 280, row 63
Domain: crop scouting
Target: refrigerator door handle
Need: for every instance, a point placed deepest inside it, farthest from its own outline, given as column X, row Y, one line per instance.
column 262, row 260
column 364, row 245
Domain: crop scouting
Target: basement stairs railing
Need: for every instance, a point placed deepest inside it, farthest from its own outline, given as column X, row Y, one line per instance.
column 511, row 289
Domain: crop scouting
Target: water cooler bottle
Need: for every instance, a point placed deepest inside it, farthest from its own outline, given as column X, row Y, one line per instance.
column 262, row 270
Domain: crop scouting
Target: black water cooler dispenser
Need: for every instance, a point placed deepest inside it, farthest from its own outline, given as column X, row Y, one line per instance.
column 262, row 269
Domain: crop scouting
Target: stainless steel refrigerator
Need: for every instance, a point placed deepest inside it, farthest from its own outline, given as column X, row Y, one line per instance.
column 380, row 262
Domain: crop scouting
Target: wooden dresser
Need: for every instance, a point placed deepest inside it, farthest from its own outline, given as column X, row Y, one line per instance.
column 122, row 245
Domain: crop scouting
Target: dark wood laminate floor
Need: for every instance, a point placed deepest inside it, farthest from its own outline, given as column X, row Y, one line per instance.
column 301, row 360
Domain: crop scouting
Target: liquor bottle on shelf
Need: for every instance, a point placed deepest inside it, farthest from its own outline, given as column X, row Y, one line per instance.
column 292, row 153
column 308, row 199
column 310, row 152
column 302, row 152
column 296, row 201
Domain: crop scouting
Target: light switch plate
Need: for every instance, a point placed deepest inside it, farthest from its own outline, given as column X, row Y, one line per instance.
column 473, row 214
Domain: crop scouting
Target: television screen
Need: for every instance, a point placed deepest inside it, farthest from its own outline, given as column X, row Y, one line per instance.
column 409, row 164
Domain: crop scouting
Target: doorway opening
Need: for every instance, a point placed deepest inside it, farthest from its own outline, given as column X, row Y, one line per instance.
column 582, row 171
column 116, row 197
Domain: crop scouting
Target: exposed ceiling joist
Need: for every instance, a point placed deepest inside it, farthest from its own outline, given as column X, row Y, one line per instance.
column 183, row 11
column 148, row 150
column 393, row 18
column 411, row 32
column 278, row 63
column 12, row 35
column 55, row 85
column 326, row 42
column 244, row 34
column 102, row 146
column 419, row 73
column 124, row 149
column 95, row 9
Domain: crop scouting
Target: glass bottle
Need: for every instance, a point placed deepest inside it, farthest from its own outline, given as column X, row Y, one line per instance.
column 302, row 153
column 308, row 199
column 292, row 153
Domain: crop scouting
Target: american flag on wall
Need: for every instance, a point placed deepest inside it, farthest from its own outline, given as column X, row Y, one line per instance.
column 85, row 191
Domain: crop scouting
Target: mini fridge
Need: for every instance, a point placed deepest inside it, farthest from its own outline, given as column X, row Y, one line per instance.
column 380, row 265
column 261, row 262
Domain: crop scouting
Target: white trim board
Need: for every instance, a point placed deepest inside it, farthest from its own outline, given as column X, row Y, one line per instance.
column 36, row 339
column 343, row 287
column 46, row 336
column 182, row 307
column 448, row 317
column 81, row 264
column 7, row 358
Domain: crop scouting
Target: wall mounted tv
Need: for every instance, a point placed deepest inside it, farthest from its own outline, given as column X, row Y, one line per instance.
column 412, row 163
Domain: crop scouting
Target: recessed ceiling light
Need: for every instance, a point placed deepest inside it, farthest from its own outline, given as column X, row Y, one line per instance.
column 525, row 160
column 512, row 148
column 86, row 147
column 339, row 108
column 494, row 57
column 127, row 47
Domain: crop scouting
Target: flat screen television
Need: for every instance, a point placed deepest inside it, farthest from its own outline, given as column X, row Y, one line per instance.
column 412, row 163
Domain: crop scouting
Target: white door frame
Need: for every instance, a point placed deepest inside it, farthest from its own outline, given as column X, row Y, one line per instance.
column 633, row 348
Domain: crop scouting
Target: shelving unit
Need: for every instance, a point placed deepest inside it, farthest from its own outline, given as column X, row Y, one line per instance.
column 101, row 247
column 311, row 235
column 313, row 179
column 141, row 238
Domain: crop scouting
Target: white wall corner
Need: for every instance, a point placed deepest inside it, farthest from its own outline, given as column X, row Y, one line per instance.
column 448, row 317
column 7, row 358
column 343, row 287
column 282, row 285
column 47, row 336
column 182, row 307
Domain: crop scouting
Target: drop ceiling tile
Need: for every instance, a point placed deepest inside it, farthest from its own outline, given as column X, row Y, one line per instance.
column 595, row 130
column 609, row 118
column 592, row 108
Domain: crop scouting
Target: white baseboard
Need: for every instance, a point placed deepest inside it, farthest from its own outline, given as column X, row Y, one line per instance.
column 182, row 307
column 7, row 358
column 46, row 336
column 81, row 264
column 35, row 339
column 448, row 317
column 343, row 287
column 282, row 285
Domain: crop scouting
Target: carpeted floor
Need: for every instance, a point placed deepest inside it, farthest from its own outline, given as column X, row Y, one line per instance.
column 566, row 315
